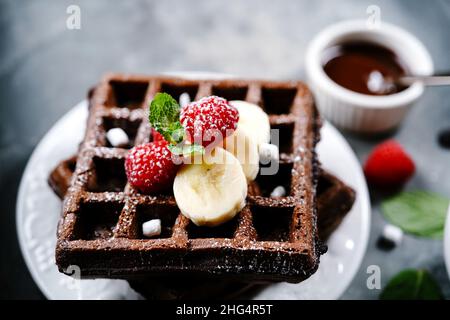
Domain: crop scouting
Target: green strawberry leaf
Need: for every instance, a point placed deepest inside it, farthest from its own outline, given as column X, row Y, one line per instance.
column 412, row 285
column 417, row 212
column 186, row 149
column 165, row 117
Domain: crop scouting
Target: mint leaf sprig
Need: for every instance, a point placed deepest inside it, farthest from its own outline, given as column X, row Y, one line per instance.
column 164, row 117
column 420, row 213
column 411, row 284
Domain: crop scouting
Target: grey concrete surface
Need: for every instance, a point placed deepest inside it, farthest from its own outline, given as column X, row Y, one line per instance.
column 45, row 69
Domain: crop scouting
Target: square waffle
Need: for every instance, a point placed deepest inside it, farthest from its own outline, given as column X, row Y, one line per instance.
column 334, row 200
column 271, row 239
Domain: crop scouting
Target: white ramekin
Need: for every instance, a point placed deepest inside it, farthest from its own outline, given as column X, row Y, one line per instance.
column 355, row 111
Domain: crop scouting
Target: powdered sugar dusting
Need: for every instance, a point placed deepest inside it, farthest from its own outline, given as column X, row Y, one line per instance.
column 244, row 253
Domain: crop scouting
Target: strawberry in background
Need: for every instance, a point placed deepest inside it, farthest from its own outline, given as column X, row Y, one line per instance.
column 388, row 165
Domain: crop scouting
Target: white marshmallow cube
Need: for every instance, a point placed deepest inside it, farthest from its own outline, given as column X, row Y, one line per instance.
column 268, row 153
column 117, row 137
column 393, row 234
column 151, row 228
column 279, row 191
column 184, row 99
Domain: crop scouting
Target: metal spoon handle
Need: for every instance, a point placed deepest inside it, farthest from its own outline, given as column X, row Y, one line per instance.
column 439, row 79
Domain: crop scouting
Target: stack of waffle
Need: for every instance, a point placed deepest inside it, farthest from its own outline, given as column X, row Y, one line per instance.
column 271, row 239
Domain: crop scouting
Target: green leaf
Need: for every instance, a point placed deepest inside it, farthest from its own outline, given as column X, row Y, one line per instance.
column 418, row 212
column 165, row 117
column 186, row 149
column 412, row 285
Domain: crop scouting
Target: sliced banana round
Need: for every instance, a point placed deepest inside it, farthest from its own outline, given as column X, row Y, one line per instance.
column 245, row 149
column 213, row 191
column 253, row 120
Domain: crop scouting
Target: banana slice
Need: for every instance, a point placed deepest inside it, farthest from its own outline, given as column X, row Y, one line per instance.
column 213, row 191
column 245, row 149
column 253, row 120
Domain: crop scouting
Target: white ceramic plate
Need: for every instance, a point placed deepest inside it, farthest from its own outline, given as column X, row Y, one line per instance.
column 447, row 242
column 38, row 210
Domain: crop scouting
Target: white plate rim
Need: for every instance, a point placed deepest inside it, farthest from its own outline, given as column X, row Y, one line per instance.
column 365, row 214
column 362, row 189
column 20, row 202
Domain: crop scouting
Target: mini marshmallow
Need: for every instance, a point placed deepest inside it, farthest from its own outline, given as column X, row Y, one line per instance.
column 151, row 228
column 268, row 153
column 279, row 191
column 184, row 99
column 393, row 233
column 117, row 137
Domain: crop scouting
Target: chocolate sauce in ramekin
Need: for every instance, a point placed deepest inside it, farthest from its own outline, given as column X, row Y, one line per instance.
column 364, row 67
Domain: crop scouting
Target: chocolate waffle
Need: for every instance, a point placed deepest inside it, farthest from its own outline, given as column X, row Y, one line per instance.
column 270, row 239
column 334, row 200
column 59, row 179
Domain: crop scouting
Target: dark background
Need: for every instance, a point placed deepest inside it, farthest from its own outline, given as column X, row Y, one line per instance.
column 45, row 69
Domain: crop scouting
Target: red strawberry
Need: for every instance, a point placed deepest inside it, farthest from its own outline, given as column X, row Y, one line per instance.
column 209, row 120
column 156, row 136
column 388, row 165
column 149, row 167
